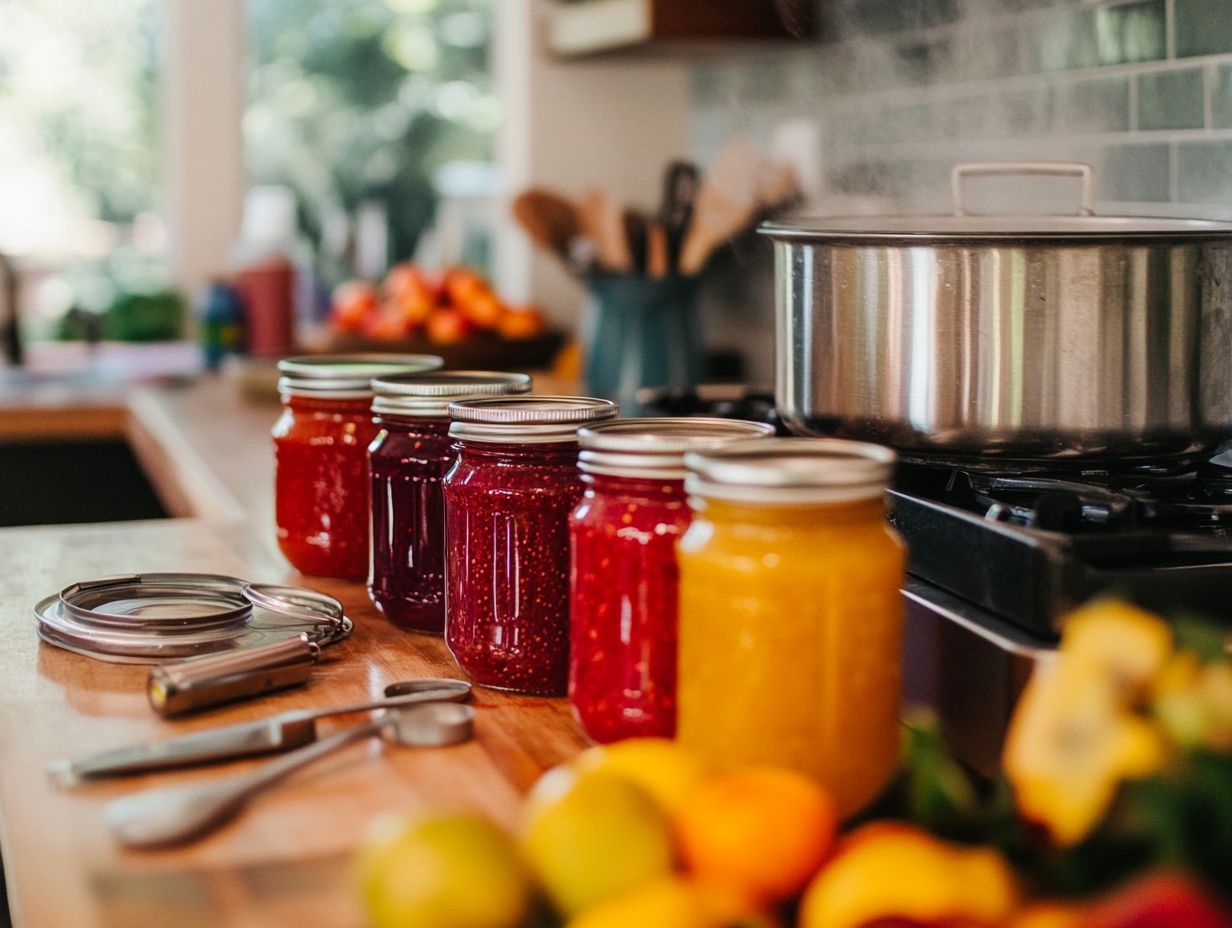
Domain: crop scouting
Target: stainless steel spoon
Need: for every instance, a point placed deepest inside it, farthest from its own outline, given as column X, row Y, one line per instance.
column 163, row 817
column 270, row 735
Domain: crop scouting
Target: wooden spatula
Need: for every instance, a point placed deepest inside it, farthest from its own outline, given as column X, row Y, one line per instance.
column 726, row 203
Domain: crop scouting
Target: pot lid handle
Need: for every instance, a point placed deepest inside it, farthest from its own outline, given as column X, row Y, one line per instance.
column 1030, row 168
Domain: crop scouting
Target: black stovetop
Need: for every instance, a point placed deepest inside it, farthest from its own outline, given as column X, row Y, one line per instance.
column 1029, row 542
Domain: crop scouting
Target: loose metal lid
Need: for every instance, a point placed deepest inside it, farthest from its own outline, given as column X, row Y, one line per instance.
column 145, row 618
column 430, row 394
column 655, row 448
column 347, row 376
column 527, row 420
column 791, row 470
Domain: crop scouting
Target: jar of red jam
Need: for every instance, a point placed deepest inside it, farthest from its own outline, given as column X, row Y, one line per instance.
column 409, row 458
column 623, row 581
column 507, row 504
column 321, row 458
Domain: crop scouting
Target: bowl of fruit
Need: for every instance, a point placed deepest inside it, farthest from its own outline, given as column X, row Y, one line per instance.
column 455, row 313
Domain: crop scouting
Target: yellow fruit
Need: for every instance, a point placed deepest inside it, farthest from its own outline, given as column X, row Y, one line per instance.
column 1076, row 733
column 445, row 871
column 763, row 830
column 671, row 903
column 593, row 836
column 889, row 871
column 661, row 767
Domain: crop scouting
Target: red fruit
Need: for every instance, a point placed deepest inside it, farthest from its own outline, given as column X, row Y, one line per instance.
column 386, row 325
column 354, row 301
column 1161, row 901
column 447, row 327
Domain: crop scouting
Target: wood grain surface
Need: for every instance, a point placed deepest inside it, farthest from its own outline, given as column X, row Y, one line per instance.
column 285, row 860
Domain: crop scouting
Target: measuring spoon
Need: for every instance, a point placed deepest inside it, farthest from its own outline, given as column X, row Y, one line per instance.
column 269, row 735
column 176, row 815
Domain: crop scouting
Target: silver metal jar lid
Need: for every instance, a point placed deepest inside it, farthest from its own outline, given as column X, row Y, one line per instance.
column 791, row 470
column 430, row 394
column 655, row 448
column 346, row 376
column 527, row 420
column 146, row 618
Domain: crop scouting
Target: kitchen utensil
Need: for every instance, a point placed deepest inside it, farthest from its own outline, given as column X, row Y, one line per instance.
column 658, row 251
column 1015, row 336
column 680, row 183
column 549, row 218
column 176, row 815
column 777, row 186
column 726, row 203
column 603, row 223
column 269, row 735
column 634, row 226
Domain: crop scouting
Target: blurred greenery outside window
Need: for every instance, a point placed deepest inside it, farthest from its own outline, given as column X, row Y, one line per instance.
column 79, row 153
column 352, row 103
column 362, row 106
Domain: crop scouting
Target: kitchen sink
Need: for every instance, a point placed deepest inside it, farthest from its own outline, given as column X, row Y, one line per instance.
column 58, row 481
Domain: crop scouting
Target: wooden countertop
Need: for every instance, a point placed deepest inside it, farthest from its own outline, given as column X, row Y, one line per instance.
column 284, row 861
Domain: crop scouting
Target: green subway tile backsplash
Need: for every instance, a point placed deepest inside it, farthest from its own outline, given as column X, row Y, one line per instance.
column 1221, row 98
column 1171, row 100
column 1203, row 27
column 902, row 89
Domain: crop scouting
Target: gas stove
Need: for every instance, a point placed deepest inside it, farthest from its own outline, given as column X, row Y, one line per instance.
column 998, row 553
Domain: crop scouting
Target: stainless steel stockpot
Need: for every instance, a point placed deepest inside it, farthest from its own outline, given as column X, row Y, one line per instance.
column 1031, row 337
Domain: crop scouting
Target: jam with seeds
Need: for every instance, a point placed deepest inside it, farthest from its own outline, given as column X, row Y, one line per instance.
column 321, row 485
column 507, row 563
column 507, row 504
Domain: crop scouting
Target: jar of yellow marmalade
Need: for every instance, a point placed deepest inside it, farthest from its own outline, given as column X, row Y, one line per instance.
column 790, row 612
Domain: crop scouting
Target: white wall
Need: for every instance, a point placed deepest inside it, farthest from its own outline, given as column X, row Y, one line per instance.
column 204, row 88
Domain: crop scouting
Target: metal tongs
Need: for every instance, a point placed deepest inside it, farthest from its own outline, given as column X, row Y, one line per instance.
column 270, row 735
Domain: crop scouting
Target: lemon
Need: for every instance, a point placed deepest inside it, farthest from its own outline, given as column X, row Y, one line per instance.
column 661, row 767
column 591, row 836
column 444, row 871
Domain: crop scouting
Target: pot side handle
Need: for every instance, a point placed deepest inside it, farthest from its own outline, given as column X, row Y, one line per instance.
column 1085, row 172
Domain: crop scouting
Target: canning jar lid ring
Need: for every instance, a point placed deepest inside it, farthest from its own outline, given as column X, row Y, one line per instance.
column 328, row 390
column 783, row 469
column 654, row 448
column 346, row 376
column 533, row 410
column 441, row 384
column 515, row 434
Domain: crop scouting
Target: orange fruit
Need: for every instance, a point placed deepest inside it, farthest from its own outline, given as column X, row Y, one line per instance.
column 763, row 830
column 447, row 327
column 524, row 322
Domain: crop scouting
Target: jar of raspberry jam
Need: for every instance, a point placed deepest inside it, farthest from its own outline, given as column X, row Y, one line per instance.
column 409, row 458
column 623, row 581
column 507, row 504
column 321, row 458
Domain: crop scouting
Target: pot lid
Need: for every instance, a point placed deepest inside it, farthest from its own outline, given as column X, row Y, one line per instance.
column 991, row 228
column 962, row 226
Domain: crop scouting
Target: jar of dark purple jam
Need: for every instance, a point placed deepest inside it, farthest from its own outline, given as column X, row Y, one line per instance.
column 408, row 460
column 507, row 504
column 623, row 581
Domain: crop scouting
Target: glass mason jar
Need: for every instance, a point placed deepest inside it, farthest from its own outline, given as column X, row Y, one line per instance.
column 790, row 612
column 507, row 505
column 409, row 458
column 321, row 458
column 623, row 580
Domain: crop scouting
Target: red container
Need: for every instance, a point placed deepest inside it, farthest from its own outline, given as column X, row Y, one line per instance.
column 507, row 505
column 623, row 581
column 409, row 460
column 321, row 459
